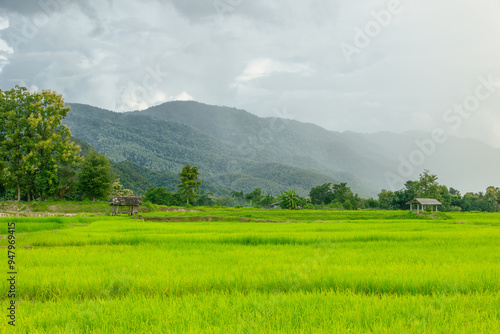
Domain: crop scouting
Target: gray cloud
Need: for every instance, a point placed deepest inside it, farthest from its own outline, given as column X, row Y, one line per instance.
column 262, row 56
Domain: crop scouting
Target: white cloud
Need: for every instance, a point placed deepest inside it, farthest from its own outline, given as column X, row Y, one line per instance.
column 183, row 97
column 263, row 67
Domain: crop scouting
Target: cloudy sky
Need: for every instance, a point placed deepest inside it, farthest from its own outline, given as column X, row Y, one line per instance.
column 364, row 66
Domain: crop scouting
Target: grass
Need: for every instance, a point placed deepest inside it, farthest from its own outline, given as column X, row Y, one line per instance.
column 329, row 271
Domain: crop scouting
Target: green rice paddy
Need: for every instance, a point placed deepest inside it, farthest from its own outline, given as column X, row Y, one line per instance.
column 244, row 270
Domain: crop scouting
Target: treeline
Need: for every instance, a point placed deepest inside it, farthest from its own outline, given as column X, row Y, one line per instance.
column 428, row 187
column 161, row 196
column 39, row 159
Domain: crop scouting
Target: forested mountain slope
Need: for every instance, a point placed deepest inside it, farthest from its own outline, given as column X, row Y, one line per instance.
column 237, row 150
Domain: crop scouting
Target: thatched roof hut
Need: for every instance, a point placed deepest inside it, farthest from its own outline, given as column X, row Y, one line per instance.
column 129, row 200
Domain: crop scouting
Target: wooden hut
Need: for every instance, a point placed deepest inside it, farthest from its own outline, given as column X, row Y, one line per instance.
column 125, row 204
column 424, row 202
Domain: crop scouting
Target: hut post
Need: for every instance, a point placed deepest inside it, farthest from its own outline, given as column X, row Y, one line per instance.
column 411, row 207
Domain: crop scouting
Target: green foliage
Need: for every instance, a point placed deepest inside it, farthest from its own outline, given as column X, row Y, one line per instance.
column 161, row 196
column 117, row 190
column 254, row 197
column 224, row 201
column 386, row 199
column 267, row 200
column 204, row 198
column 94, row 177
column 338, row 196
column 290, row 200
column 427, row 185
column 321, row 194
column 237, row 194
column 150, row 206
column 34, row 145
column 190, row 184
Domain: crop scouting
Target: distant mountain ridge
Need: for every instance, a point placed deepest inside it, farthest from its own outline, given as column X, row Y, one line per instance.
column 238, row 150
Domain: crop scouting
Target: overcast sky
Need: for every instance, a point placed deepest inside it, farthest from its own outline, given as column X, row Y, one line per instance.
column 363, row 66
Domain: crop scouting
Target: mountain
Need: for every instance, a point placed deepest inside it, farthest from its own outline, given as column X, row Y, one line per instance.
column 152, row 152
column 234, row 149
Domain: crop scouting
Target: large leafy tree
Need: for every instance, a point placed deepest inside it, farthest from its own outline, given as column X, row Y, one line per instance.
column 33, row 141
column 14, row 111
column 321, row 194
column 341, row 192
column 490, row 199
column 190, row 184
column 427, row 185
column 386, row 199
column 159, row 195
column 95, row 176
column 255, row 196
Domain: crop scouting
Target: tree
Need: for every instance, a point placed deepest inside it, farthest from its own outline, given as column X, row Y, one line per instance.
column 189, row 183
column 33, row 142
column 403, row 196
column 254, row 196
column 490, row 199
column 95, row 176
column 67, row 178
column 204, row 198
column 427, row 185
column 386, row 199
column 341, row 193
column 117, row 189
column 237, row 194
column 321, row 194
column 14, row 111
column 471, row 202
column 267, row 200
column 371, row 203
column 290, row 200
column 159, row 195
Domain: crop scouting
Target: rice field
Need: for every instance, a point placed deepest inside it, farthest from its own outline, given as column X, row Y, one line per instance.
column 256, row 271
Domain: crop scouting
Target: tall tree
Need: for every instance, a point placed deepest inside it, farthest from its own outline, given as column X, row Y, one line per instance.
column 33, row 141
column 490, row 199
column 427, row 185
column 321, row 194
column 159, row 195
column 341, row 193
column 189, row 183
column 95, row 176
column 386, row 199
column 14, row 112
column 254, row 196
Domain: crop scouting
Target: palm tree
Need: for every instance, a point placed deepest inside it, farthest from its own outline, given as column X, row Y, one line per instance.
column 289, row 200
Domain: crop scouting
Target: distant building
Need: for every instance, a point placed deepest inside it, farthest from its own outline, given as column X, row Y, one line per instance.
column 423, row 203
column 273, row 206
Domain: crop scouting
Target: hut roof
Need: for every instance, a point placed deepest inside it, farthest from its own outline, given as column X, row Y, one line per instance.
column 425, row 201
column 128, row 200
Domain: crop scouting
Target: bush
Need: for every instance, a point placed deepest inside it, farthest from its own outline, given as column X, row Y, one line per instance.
column 150, row 206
